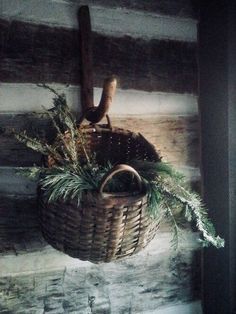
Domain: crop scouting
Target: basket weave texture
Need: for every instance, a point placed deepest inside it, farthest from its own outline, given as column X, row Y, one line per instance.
column 104, row 226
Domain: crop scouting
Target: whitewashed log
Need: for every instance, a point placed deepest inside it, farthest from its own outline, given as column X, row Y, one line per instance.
column 110, row 21
column 27, row 260
column 23, row 97
column 180, row 8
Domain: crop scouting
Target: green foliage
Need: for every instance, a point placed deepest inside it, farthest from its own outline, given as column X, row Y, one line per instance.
column 69, row 177
column 32, row 173
column 67, row 183
column 168, row 197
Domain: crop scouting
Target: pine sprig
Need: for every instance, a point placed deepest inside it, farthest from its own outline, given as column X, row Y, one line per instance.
column 70, row 151
column 193, row 209
column 167, row 193
column 65, row 149
column 63, row 115
column 30, row 173
column 68, row 183
column 176, row 230
column 38, row 145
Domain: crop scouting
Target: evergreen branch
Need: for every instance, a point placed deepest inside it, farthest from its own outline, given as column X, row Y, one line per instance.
column 199, row 214
column 166, row 190
column 67, row 183
column 71, row 151
column 31, row 173
column 62, row 111
column 176, row 231
column 82, row 141
column 38, row 145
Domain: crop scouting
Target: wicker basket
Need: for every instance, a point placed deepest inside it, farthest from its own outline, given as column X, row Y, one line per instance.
column 105, row 226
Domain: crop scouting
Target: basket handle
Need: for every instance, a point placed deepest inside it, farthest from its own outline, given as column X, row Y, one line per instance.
column 117, row 169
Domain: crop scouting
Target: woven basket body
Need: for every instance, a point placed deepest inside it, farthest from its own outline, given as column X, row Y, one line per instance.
column 103, row 227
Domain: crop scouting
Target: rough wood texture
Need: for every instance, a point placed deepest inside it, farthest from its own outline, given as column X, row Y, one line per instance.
column 107, row 18
column 85, row 43
column 34, row 53
column 178, row 8
column 19, row 226
column 175, row 137
column 132, row 286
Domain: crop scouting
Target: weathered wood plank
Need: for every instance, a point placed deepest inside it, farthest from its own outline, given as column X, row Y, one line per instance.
column 180, row 8
column 135, row 285
column 175, row 137
column 107, row 18
column 19, row 226
column 15, row 152
column 46, row 11
column 36, row 53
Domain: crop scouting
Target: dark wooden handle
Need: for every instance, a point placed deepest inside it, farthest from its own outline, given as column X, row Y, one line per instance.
column 92, row 113
column 86, row 58
column 117, row 169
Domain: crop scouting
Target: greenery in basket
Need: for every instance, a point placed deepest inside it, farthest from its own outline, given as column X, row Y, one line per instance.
column 73, row 171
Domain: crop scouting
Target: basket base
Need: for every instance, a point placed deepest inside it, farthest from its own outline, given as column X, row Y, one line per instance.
column 99, row 230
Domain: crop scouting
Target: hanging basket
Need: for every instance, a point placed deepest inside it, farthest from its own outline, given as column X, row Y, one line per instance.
column 104, row 226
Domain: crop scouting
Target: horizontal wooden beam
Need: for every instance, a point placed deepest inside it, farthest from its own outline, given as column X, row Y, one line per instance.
column 175, row 137
column 25, row 97
column 139, row 19
column 35, row 54
column 179, row 8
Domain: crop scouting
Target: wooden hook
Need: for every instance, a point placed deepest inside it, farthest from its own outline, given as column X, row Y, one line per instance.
column 92, row 113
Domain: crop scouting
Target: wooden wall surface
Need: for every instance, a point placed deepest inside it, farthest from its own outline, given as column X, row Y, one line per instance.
column 152, row 47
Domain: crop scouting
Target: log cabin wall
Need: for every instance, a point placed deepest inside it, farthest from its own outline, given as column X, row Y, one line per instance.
column 152, row 47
